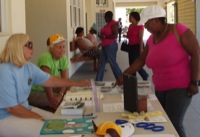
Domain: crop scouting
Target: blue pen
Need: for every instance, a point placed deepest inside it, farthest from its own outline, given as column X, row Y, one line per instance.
column 120, row 121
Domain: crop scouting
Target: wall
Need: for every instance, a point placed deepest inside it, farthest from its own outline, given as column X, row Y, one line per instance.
column 92, row 9
column 44, row 17
column 186, row 13
column 15, row 16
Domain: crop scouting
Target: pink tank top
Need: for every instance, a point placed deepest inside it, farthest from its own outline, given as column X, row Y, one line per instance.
column 133, row 34
column 169, row 62
column 106, row 30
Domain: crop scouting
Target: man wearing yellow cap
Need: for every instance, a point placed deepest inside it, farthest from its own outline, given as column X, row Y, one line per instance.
column 54, row 61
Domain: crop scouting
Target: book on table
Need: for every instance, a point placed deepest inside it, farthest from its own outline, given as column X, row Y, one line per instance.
column 72, row 108
column 67, row 126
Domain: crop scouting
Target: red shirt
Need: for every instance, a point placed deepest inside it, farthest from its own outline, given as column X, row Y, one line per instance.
column 133, row 34
column 107, row 30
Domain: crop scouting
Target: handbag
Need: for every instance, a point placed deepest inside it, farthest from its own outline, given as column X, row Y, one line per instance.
column 125, row 46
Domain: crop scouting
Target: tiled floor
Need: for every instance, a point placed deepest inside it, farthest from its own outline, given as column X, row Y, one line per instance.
column 192, row 117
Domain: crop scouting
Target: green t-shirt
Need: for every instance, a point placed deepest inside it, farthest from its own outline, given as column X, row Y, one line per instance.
column 55, row 66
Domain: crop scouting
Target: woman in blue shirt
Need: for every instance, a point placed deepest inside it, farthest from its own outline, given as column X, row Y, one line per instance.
column 17, row 75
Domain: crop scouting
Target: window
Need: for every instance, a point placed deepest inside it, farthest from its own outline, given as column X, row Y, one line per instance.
column 100, row 20
column 0, row 18
column 172, row 12
column 101, row 2
column 75, row 12
column 2, row 15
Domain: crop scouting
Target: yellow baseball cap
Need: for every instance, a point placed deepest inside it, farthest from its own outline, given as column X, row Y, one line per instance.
column 55, row 38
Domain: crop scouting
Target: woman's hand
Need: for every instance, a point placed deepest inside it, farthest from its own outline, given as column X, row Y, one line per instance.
column 193, row 89
column 119, row 81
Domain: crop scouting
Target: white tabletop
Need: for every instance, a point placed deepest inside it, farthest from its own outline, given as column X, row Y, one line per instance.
column 169, row 130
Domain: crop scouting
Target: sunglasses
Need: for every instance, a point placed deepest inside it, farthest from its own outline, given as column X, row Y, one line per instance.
column 29, row 45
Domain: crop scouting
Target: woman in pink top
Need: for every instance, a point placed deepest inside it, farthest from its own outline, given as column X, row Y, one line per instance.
column 174, row 60
column 109, row 49
column 135, row 38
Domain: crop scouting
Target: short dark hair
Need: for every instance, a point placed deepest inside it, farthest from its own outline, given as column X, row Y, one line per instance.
column 109, row 14
column 79, row 30
column 135, row 15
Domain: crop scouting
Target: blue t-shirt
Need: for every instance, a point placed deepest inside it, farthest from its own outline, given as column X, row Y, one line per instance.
column 16, row 83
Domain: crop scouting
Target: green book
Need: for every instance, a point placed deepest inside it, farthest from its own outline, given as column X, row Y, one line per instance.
column 67, row 126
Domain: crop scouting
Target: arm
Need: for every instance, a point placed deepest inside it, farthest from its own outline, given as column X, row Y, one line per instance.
column 53, row 99
column 60, row 82
column 138, row 64
column 141, row 32
column 115, row 30
column 64, row 74
column 191, row 45
column 21, row 111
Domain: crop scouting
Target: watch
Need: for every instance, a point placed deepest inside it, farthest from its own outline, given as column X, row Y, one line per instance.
column 196, row 82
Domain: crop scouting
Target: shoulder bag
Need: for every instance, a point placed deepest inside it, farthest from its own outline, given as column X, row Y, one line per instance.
column 125, row 46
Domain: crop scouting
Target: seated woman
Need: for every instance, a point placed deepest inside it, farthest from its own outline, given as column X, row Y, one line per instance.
column 86, row 47
column 92, row 35
column 17, row 76
column 55, row 62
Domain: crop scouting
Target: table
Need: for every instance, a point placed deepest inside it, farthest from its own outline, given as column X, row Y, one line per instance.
column 110, row 116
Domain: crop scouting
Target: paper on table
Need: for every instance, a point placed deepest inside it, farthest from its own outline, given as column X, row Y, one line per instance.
column 113, row 107
column 154, row 135
column 119, row 107
column 155, row 119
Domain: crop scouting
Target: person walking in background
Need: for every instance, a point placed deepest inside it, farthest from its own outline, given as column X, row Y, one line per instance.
column 135, row 38
column 17, row 76
column 108, row 36
column 120, row 28
column 55, row 62
column 172, row 52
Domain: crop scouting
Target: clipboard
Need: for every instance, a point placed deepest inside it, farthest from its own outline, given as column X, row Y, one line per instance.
column 130, row 93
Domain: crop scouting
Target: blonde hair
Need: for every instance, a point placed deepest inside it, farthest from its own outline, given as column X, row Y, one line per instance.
column 13, row 51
